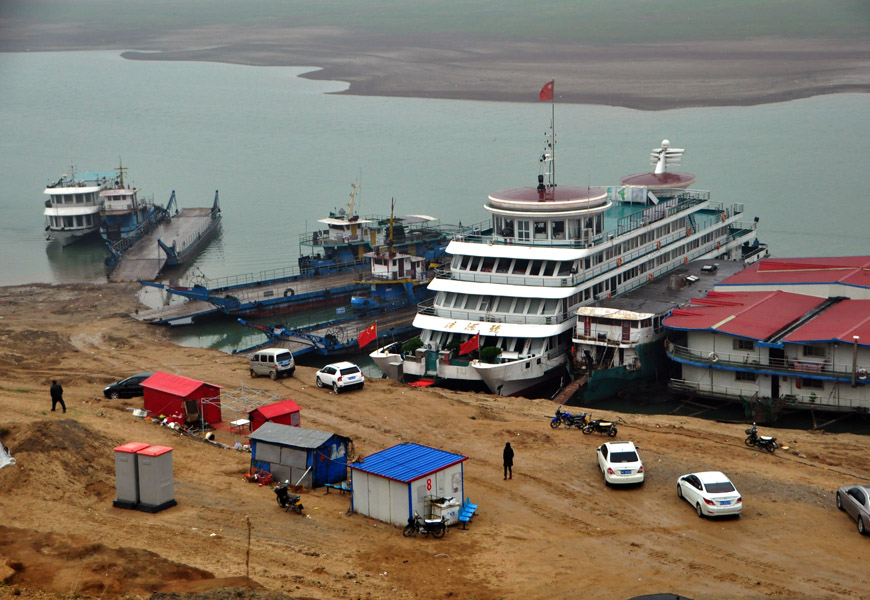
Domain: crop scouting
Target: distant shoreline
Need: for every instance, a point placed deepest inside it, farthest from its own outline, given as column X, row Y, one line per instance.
column 650, row 77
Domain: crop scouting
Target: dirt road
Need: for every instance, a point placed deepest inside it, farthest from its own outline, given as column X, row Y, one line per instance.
column 553, row 531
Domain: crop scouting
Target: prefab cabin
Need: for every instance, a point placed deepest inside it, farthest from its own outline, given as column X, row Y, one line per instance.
column 392, row 484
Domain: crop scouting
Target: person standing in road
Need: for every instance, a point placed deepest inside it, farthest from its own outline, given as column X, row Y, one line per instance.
column 56, row 395
column 508, row 456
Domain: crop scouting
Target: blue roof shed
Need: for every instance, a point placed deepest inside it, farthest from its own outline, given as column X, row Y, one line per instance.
column 392, row 484
column 293, row 454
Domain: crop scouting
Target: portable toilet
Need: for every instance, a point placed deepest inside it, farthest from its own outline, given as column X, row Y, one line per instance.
column 127, row 475
column 156, row 490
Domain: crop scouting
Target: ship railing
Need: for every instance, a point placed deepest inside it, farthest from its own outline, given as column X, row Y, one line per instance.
column 262, row 277
column 487, row 317
column 788, row 366
column 801, row 399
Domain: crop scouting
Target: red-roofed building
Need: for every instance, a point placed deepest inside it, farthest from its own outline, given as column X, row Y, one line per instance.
column 174, row 395
column 774, row 349
column 284, row 413
column 825, row 277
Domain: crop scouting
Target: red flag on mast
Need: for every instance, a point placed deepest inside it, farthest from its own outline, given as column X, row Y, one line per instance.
column 547, row 91
column 368, row 335
column 470, row 345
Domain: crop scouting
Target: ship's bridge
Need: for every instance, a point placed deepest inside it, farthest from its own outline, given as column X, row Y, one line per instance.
column 557, row 214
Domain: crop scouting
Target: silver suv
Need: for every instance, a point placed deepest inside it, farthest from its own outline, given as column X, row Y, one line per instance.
column 339, row 376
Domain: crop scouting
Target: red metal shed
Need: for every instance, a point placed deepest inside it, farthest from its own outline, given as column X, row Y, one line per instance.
column 166, row 394
column 285, row 413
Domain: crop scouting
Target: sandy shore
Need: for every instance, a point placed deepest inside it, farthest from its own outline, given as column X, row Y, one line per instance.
column 554, row 531
column 641, row 76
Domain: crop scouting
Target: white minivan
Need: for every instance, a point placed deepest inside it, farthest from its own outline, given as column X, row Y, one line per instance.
column 274, row 362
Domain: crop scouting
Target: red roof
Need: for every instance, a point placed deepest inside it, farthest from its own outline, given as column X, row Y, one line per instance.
column 754, row 315
column 659, row 180
column 844, row 270
column 174, row 384
column 840, row 323
column 270, row 411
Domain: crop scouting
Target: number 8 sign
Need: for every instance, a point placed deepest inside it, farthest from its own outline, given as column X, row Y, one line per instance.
column 428, row 485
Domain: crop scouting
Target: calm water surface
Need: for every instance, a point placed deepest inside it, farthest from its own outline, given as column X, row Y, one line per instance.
column 283, row 151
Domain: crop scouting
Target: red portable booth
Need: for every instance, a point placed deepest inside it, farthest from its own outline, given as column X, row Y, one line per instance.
column 284, row 413
column 174, row 395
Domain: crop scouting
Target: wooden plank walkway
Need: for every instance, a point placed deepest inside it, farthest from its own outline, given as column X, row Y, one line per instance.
column 145, row 259
column 566, row 393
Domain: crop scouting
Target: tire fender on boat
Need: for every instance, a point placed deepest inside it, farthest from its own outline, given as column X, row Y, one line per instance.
column 289, row 292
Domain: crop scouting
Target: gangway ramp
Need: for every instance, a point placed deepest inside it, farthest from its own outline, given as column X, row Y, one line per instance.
column 145, row 259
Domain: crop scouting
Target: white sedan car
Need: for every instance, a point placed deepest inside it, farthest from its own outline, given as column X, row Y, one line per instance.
column 339, row 376
column 711, row 493
column 620, row 463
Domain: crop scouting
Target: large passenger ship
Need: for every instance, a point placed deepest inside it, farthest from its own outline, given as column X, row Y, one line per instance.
column 554, row 249
column 72, row 210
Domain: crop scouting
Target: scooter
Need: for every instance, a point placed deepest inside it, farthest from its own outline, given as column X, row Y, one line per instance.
column 567, row 419
column 417, row 524
column 762, row 441
column 286, row 500
column 600, row 426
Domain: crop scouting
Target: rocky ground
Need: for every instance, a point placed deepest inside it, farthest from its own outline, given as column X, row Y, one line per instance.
column 553, row 531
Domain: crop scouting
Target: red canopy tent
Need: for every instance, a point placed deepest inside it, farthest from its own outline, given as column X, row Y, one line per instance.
column 285, row 413
column 166, row 394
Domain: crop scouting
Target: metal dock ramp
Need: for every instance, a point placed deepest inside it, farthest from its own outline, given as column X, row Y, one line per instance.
column 146, row 259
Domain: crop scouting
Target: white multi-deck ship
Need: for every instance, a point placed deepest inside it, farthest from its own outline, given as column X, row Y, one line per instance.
column 554, row 249
column 72, row 210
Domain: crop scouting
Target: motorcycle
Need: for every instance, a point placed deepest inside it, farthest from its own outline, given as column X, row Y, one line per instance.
column 567, row 419
column 600, row 426
column 417, row 524
column 286, row 500
column 762, row 441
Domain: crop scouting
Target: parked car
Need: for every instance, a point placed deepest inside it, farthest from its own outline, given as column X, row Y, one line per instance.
column 620, row 463
column 855, row 500
column 127, row 388
column 274, row 362
column 711, row 493
column 339, row 376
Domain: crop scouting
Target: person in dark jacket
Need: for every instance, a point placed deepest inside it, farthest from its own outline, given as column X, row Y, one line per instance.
column 508, row 456
column 56, row 395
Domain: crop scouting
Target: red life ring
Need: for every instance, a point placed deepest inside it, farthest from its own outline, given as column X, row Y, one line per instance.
column 724, row 217
column 650, row 277
column 659, row 245
column 685, row 260
column 718, row 245
column 618, row 262
column 688, row 231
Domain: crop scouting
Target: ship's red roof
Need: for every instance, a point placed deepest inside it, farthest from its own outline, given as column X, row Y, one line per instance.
column 840, row 323
column 560, row 193
column 754, row 315
column 846, row 270
column 660, row 180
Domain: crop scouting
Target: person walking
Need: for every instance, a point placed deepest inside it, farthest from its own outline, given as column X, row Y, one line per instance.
column 508, row 456
column 56, row 395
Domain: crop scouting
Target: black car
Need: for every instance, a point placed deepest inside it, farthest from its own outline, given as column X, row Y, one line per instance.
column 127, row 388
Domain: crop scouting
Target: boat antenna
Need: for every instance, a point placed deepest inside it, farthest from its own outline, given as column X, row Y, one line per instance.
column 121, row 168
column 390, row 245
column 548, row 157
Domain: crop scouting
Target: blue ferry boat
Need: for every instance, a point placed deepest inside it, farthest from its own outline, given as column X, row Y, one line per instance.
column 123, row 214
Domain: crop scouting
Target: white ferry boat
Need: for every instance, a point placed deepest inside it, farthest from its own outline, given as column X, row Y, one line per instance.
column 554, row 249
column 72, row 210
